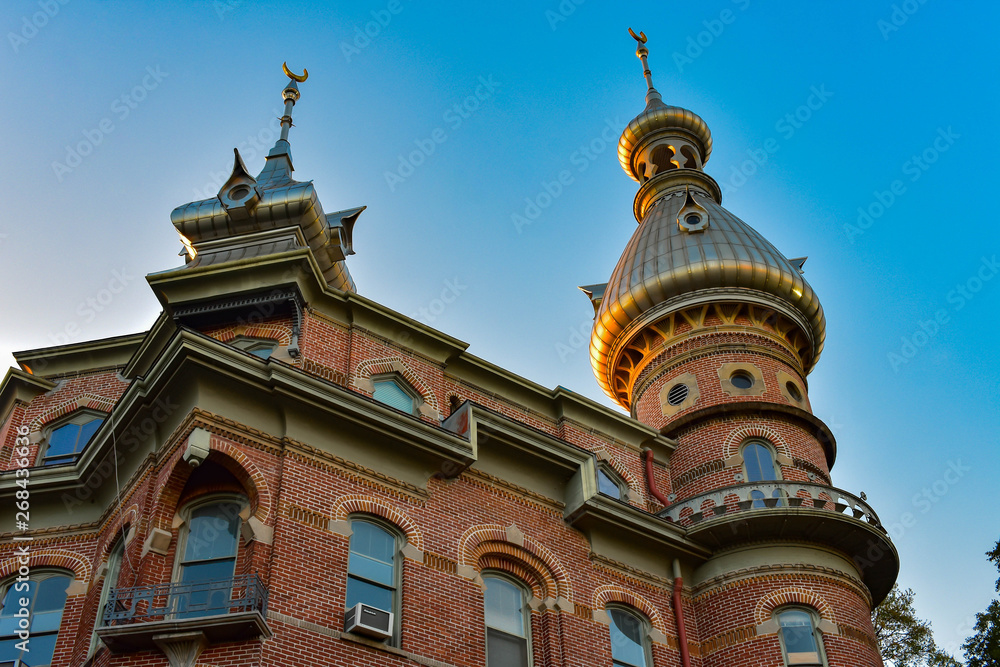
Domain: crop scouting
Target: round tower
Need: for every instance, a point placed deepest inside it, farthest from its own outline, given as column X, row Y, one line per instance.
column 707, row 332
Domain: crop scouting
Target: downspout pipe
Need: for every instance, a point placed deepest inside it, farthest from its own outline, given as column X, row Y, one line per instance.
column 679, row 615
column 650, row 482
column 678, row 580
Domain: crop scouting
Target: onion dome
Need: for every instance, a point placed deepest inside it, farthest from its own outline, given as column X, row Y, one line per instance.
column 687, row 251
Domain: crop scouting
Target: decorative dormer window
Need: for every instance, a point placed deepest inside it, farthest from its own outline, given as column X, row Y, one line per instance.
column 394, row 392
column 259, row 347
column 67, row 438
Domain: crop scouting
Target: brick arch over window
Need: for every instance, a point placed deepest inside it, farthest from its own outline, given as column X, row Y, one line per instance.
column 791, row 595
column 611, row 593
column 373, row 367
column 56, row 558
column 749, row 431
column 278, row 332
column 361, row 504
column 510, row 550
column 128, row 517
column 229, row 457
column 91, row 401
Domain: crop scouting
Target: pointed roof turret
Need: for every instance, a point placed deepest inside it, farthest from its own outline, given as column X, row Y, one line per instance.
column 248, row 215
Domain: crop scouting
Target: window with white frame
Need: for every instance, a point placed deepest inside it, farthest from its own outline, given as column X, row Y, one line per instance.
column 508, row 622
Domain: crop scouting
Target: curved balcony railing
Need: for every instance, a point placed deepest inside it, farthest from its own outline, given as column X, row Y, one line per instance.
column 764, row 496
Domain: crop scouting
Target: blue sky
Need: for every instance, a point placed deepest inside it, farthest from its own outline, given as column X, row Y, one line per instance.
column 833, row 109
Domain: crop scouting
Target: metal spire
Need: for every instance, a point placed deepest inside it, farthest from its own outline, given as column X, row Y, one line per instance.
column 652, row 96
column 291, row 95
column 276, row 169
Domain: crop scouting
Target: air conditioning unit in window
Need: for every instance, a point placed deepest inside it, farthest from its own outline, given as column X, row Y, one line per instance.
column 366, row 620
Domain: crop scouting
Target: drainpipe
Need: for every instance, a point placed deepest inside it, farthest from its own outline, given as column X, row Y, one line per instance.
column 679, row 615
column 678, row 580
column 650, row 482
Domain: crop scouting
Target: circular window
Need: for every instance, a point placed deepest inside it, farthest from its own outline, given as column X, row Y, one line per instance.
column 239, row 192
column 677, row 394
column 692, row 219
column 741, row 380
column 794, row 391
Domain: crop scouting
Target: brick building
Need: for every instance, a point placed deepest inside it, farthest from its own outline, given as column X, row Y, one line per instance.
column 277, row 449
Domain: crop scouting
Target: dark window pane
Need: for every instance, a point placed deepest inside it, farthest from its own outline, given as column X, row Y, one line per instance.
column 63, row 440
column 87, row 432
column 8, row 650
column 10, row 599
column 213, row 532
column 797, row 631
column 504, row 650
column 607, row 486
column 370, row 594
column 214, row 570
column 51, row 594
column 627, row 638
column 263, row 352
column 759, row 464
column 42, row 647
column 46, row 621
column 504, row 606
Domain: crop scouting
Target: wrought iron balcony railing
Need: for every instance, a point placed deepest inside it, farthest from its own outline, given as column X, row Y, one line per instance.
column 764, row 496
column 178, row 601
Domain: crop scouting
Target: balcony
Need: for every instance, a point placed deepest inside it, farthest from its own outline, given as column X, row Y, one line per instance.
column 797, row 511
column 142, row 617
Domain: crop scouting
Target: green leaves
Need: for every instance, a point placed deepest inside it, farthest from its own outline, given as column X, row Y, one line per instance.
column 903, row 639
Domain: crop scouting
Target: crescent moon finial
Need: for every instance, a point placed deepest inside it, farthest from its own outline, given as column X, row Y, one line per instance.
column 296, row 77
column 641, row 37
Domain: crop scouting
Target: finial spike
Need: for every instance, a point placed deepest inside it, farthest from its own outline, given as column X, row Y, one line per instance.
column 641, row 51
column 290, row 95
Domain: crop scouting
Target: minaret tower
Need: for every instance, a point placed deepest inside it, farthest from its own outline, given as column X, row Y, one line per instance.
column 707, row 332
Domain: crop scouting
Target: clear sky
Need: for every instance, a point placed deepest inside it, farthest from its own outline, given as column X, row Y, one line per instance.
column 117, row 112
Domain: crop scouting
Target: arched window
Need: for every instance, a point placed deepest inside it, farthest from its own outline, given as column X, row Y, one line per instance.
column 207, row 560
column 508, row 623
column 758, row 459
column 45, row 594
column 395, row 393
column 629, row 638
column 110, row 581
column 67, row 438
column 373, row 569
column 610, row 484
column 801, row 642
